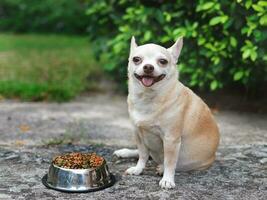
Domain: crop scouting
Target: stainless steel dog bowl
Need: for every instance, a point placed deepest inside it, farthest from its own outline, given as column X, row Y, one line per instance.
column 78, row 180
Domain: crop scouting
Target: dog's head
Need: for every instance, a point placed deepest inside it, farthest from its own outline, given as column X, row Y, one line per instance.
column 151, row 64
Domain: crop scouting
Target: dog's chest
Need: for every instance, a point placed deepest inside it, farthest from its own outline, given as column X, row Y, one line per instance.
column 148, row 127
column 143, row 115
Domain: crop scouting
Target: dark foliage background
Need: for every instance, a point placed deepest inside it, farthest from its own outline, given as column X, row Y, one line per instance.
column 46, row 16
column 224, row 41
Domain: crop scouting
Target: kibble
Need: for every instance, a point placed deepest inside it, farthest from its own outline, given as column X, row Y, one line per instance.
column 78, row 160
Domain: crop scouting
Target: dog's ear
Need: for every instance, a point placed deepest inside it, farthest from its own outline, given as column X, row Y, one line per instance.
column 175, row 49
column 133, row 45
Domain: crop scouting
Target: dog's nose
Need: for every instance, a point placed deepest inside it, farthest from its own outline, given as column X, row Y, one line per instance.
column 148, row 69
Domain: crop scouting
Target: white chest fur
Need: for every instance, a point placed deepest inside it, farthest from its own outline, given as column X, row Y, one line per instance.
column 146, row 124
column 142, row 112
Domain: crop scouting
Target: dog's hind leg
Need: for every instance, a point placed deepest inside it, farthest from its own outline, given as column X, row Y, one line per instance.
column 126, row 153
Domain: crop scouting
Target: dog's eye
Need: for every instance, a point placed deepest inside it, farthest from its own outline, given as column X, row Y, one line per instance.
column 163, row 61
column 137, row 60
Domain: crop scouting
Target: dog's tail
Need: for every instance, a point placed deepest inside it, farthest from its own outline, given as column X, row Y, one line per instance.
column 126, row 153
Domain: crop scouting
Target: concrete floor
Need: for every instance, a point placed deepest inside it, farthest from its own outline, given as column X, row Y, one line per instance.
column 32, row 133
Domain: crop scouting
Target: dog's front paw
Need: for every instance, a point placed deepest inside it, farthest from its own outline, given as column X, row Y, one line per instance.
column 134, row 171
column 166, row 183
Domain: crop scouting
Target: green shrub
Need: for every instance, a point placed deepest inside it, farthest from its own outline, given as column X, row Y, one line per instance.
column 59, row 16
column 224, row 41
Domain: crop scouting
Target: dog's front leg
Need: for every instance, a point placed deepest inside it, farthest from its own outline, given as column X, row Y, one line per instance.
column 171, row 152
column 143, row 157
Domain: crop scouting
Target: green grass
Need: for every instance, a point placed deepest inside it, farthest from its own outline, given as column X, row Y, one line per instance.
column 45, row 67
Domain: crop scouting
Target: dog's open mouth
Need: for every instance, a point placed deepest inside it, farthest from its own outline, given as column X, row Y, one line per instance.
column 148, row 80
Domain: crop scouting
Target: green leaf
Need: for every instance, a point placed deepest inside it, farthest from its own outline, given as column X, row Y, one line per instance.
column 246, row 53
column 258, row 8
column 147, row 35
column 201, row 41
column 168, row 16
column 218, row 19
column 238, row 75
column 214, row 85
column 263, row 20
column 249, row 43
column 193, row 82
column 248, row 4
column 262, row 3
column 204, row 6
column 215, row 20
column 215, row 60
column 207, row 5
column 253, row 55
column 233, row 41
column 244, row 30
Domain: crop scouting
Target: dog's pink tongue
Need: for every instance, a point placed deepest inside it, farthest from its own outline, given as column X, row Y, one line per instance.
column 147, row 81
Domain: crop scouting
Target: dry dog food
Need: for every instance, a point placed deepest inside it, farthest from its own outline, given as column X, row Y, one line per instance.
column 78, row 160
